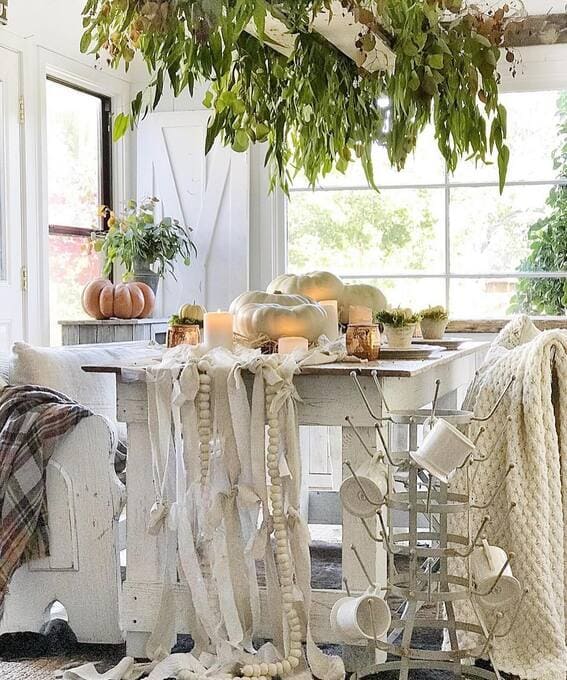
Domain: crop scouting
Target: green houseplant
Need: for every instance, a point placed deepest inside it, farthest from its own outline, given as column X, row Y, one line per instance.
column 146, row 248
column 433, row 322
column 317, row 109
column 548, row 241
column 399, row 325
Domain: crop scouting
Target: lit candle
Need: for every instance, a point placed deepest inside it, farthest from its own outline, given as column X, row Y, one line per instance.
column 293, row 344
column 218, row 329
column 332, row 325
column 359, row 315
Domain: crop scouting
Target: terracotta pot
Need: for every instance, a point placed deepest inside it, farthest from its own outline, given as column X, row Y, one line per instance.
column 433, row 329
column 399, row 336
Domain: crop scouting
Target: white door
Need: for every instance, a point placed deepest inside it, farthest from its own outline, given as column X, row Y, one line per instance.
column 208, row 193
column 11, row 294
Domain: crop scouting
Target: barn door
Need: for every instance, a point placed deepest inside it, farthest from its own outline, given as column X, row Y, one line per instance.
column 209, row 193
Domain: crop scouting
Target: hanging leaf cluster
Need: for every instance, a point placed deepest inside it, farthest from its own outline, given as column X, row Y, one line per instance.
column 317, row 110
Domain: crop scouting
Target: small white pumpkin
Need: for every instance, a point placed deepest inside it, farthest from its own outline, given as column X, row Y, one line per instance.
column 317, row 285
column 360, row 294
column 277, row 316
column 195, row 312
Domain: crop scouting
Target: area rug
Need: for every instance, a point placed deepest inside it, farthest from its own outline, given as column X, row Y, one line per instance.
column 326, row 573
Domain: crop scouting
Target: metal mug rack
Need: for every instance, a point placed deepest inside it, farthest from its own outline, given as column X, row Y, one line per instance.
column 429, row 579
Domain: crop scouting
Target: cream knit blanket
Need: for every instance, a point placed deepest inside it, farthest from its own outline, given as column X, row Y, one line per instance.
column 530, row 432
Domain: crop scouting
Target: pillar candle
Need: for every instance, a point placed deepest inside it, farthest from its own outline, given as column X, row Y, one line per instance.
column 218, row 329
column 332, row 325
column 359, row 315
column 292, row 344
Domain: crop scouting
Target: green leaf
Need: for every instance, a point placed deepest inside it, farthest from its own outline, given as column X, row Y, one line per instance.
column 503, row 158
column 435, row 61
column 120, row 126
column 208, row 99
column 85, row 43
column 241, row 141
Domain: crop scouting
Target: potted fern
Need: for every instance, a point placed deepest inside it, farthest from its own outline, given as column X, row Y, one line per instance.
column 434, row 322
column 399, row 326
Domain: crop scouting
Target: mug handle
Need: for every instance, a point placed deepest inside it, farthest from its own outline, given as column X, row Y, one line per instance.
column 488, row 554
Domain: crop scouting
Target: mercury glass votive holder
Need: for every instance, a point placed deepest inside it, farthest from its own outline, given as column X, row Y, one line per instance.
column 183, row 334
column 363, row 341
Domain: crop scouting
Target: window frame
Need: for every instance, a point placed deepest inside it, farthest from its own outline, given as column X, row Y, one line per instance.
column 448, row 274
column 105, row 169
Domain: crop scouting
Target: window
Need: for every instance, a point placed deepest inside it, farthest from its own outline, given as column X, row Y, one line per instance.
column 433, row 238
column 78, row 182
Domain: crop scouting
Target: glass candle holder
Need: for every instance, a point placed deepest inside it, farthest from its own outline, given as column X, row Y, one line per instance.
column 290, row 345
column 363, row 341
column 183, row 334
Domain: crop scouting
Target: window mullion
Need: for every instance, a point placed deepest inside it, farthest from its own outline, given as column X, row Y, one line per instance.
column 447, row 242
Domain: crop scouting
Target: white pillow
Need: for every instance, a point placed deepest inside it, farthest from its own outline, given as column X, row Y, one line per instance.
column 60, row 369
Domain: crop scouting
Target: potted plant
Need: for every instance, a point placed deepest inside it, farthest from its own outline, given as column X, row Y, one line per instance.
column 399, row 326
column 145, row 247
column 434, row 322
column 185, row 327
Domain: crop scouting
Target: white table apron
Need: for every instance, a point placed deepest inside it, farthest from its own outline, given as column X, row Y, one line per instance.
column 328, row 397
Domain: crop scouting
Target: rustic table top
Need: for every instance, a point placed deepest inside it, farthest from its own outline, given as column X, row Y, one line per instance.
column 399, row 368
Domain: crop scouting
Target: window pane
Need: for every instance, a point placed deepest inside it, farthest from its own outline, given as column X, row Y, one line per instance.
column 425, row 166
column 73, row 156
column 363, row 232
column 71, row 267
column 411, row 292
column 532, row 137
column 489, row 231
column 495, row 298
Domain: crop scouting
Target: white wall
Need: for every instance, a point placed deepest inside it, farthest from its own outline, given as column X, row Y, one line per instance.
column 45, row 35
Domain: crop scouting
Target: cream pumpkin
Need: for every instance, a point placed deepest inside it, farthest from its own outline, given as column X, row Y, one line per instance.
column 316, row 285
column 277, row 315
column 321, row 285
column 103, row 299
column 360, row 294
column 194, row 312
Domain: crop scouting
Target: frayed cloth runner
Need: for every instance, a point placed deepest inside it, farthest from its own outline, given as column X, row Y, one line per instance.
column 215, row 530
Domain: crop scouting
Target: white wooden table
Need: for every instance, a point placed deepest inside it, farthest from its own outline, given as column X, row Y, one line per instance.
column 328, row 397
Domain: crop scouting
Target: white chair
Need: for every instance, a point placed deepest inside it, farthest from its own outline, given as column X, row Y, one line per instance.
column 84, row 498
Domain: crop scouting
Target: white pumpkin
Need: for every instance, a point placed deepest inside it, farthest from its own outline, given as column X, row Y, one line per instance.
column 360, row 294
column 317, row 285
column 277, row 315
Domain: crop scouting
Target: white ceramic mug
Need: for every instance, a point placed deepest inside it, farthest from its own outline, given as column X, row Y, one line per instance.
column 360, row 618
column 443, row 450
column 486, row 562
column 373, row 478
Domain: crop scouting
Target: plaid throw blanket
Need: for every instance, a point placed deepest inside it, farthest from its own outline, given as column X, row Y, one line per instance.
column 30, row 418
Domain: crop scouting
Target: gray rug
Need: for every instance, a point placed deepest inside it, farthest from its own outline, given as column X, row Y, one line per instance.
column 326, row 573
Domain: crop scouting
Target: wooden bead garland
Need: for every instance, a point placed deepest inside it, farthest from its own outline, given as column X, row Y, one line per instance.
column 259, row 671
column 204, row 419
column 283, row 556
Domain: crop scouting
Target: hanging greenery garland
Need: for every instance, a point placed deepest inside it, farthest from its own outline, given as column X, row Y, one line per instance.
column 316, row 108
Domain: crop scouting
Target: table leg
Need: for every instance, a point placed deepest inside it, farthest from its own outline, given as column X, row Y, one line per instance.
column 372, row 554
column 143, row 563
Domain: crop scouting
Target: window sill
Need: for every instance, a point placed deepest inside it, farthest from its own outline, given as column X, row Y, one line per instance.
column 544, row 323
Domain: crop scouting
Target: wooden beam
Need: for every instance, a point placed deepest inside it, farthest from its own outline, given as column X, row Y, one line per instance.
column 545, row 29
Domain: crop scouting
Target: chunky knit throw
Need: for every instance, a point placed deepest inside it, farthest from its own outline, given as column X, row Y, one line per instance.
column 530, row 432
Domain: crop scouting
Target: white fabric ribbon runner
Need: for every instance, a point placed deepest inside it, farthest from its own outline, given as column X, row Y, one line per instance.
column 214, row 534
